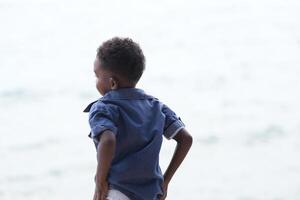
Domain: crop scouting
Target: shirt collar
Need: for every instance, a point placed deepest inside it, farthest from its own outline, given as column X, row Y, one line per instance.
column 126, row 93
column 122, row 94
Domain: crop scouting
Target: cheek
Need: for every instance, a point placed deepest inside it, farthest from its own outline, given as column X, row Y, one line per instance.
column 100, row 86
column 98, row 83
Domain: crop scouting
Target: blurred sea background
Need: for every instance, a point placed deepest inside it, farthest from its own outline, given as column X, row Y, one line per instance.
column 229, row 69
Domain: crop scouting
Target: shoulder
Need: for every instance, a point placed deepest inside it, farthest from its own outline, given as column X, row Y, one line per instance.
column 103, row 108
column 165, row 108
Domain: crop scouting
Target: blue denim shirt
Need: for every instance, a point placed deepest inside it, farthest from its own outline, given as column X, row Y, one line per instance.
column 139, row 121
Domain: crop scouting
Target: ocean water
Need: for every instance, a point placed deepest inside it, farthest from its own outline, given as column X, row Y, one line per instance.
column 230, row 70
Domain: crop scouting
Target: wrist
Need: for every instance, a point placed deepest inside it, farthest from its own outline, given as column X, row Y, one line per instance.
column 166, row 180
column 100, row 179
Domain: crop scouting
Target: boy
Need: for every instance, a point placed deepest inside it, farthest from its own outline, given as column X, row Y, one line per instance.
column 127, row 126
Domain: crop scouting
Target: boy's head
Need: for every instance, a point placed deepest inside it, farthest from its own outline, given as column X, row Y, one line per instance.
column 119, row 63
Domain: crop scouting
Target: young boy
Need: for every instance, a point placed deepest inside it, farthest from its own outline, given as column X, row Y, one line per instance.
column 127, row 126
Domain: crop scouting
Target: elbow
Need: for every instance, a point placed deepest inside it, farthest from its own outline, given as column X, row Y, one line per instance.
column 189, row 140
column 184, row 138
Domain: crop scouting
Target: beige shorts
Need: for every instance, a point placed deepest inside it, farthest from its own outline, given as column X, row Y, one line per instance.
column 116, row 195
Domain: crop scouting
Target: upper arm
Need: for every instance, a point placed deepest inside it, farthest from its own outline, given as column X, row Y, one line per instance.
column 107, row 138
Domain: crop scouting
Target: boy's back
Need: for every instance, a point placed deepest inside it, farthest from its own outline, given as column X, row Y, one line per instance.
column 127, row 127
column 138, row 120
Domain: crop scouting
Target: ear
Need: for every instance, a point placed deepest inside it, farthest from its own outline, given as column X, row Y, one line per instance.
column 113, row 83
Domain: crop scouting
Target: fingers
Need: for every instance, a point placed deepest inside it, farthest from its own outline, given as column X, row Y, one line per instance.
column 103, row 196
column 95, row 196
column 100, row 196
column 101, row 191
column 163, row 197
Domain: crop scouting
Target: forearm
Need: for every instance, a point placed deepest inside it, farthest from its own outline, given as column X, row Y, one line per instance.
column 184, row 142
column 105, row 153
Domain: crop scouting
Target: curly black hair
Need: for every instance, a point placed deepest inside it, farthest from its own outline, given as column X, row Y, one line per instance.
column 122, row 56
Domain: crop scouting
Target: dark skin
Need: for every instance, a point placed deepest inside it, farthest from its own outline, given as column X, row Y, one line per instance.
column 106, row 81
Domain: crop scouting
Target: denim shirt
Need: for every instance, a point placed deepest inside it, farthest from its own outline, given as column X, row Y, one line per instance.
column 139, row 121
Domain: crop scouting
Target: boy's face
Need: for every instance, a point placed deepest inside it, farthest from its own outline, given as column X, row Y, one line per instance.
column 103, row 78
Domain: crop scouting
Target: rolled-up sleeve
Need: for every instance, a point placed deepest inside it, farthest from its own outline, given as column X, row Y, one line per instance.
column 101, row 118
column 173, row 123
